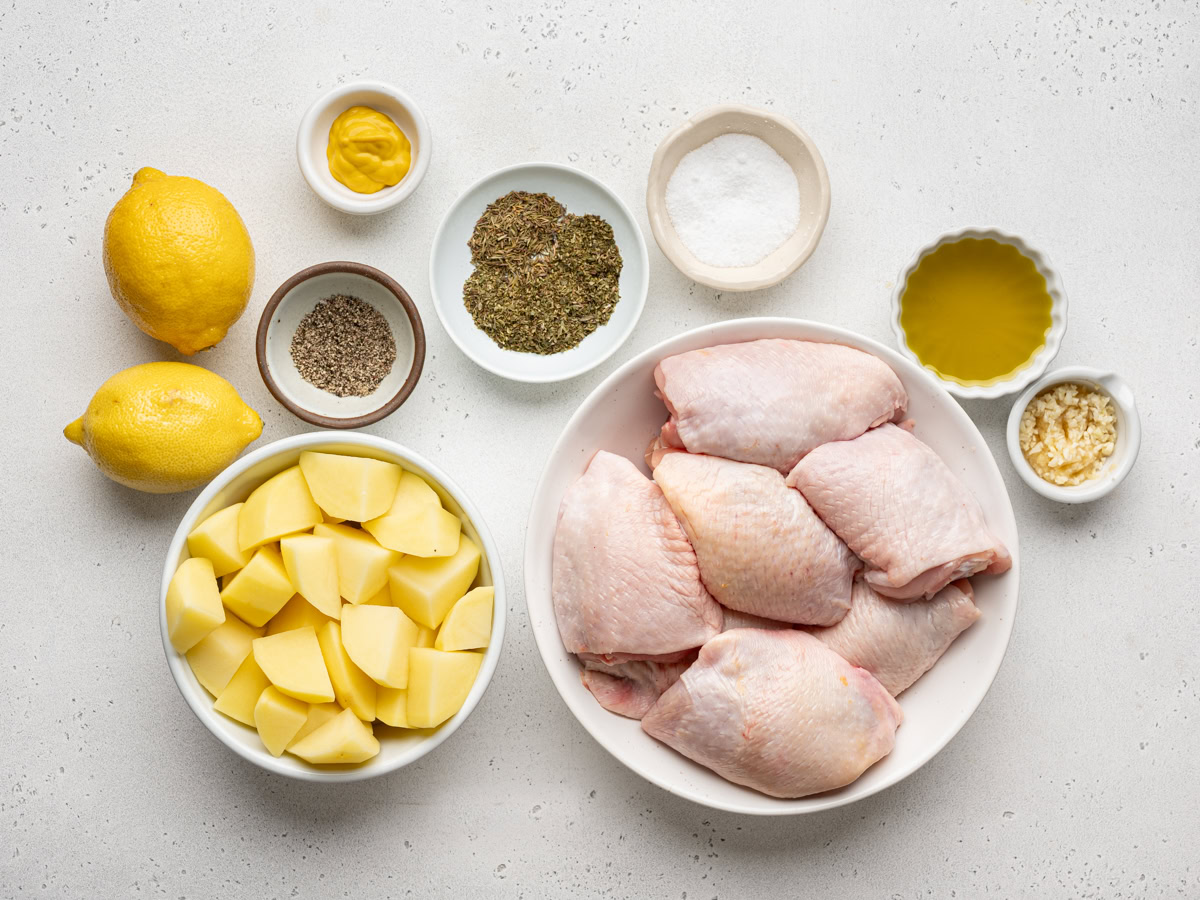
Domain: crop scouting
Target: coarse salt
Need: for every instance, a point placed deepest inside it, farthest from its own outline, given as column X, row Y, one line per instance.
column 733, row 201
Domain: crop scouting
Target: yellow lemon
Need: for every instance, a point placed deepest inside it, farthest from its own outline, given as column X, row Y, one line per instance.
column 178, row 259
column 165, row 426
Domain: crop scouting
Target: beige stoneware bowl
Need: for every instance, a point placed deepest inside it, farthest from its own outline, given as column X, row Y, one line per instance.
column 796, row 148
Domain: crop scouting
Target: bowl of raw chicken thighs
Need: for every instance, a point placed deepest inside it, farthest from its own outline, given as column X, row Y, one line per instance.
column 771, row 566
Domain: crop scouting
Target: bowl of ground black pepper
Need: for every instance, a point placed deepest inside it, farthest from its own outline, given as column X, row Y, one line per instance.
column 340, row 345
column 539, row 272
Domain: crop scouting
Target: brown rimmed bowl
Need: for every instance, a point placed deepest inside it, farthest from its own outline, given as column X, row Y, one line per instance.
column 294, row 299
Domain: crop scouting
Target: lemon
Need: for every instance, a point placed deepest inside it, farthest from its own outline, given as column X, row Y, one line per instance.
column 178, row 259
column 163, row 427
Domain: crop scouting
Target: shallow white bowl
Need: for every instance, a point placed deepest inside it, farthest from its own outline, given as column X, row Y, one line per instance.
column 398, row 747
column 795, row 147
column 622, row 415
column 313, row 138
column 450, row 266
column 1058, row 316
column 1129, row 435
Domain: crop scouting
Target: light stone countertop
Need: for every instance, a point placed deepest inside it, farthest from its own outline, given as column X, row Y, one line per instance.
column 1074, row 124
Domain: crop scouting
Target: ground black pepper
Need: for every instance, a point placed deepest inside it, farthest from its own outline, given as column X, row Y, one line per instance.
column 344, row 346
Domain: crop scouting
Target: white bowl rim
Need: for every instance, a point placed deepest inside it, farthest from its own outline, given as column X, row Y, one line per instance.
column 664, row 231
column 1058, row 314
column 617, row 342
column 177, row 662
column 320, row 180
column 1129, row 434
column 834, row 334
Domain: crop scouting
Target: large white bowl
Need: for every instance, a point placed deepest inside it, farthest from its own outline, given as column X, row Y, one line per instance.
column 450, row 266
column 622, row 415
column 398, row 747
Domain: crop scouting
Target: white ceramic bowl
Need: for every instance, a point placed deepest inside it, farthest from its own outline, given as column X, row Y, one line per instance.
column 622, row 415
column 1058, row 315
column 398, row 747
column 786, row 139
column 313, row 138
column 450, row 266
column 1129, row 435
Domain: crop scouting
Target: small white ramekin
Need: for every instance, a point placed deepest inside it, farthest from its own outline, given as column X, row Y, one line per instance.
column 1058, row 316
column 398, row 747
column 1129, row 435
column 313, row 138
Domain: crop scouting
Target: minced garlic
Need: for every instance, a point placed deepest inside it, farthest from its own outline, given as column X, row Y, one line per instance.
column 1067, row 433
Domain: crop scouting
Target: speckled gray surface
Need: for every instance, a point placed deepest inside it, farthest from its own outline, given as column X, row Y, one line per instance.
column 1072, row 123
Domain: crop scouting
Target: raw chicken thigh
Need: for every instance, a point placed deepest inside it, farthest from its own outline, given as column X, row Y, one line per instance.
column 899, row 642
column 777, row 711
column 772, row 401
column 625, row 582
column 902, row 510
column 631, row 688
column 761, row 548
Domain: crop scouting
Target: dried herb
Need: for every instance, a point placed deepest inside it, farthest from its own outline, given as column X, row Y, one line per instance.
column 344, row 346
column 544, row 279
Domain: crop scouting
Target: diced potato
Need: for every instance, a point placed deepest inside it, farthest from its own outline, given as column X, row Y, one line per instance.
column 343, row 739
column 193, row 603
column 378, row 638
column 438, row 684
column 426, row 588
column 216, row 658
column 278, row 718
column 353, row 688
column 318, row 715
column 293, row 661
column 426, row 531
column 260, row 589
column 241, row 694
column 279, row 506
column 296, row 613
column 413, row 492
column 427, row 636
column 350, row 487
column 468, row 625
column 391, row 707
column 382, row 597
column 216, row 539
column 311, row 565
column 362, row 565
column 331, row 520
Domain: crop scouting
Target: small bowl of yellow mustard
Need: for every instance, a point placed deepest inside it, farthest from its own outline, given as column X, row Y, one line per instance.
column 982, row 310
column 363, row 147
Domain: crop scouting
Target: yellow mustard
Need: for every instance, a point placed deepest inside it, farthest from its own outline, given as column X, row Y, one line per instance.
column 367, row 151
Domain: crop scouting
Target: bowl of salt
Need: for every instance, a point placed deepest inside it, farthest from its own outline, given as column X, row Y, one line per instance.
column 737, row 198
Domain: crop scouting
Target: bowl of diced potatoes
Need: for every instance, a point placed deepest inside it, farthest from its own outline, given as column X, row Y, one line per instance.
column 332, row 607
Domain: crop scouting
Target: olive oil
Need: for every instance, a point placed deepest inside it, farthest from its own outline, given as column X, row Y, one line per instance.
column 975, row 311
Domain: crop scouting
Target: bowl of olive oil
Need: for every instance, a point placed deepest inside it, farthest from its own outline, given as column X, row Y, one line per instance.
column 983, row 311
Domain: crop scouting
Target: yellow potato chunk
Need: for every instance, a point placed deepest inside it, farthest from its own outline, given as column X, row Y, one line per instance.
column 216, row 539
column 343, row 739
column 426, row 588
column 350, row 487
column 427, row 637
column 294, row 663
column 438, row 684
column 391, row 707
column 241, row 694
column 383, row 597
column 413, row 492
column 378, row 638
column 260, row 589
column 353, row 688
column 362, row 565
column 217, row 657
column 281, row 505
column 296, row 613
column 318, row 715
column 426, row 531
column 311, row 565
column 278, row 718
column 193, row 604
column 468, row 625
